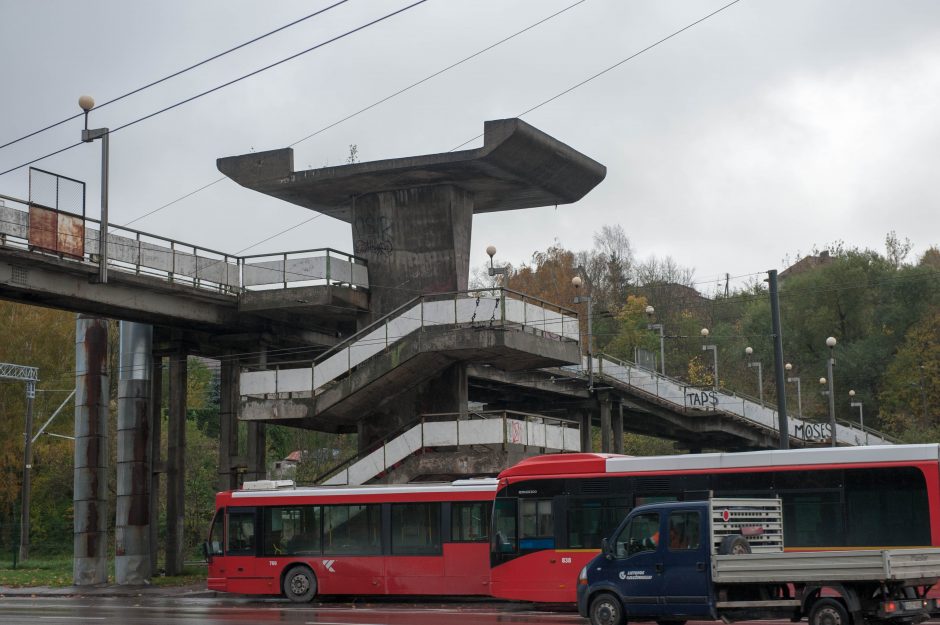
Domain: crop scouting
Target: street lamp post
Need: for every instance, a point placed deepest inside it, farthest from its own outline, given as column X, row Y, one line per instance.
column 497, row 271
column 799, row 398
column 861, row 413
column 831, row 343
column 714, row 349
column 86, row 102
column 749, row 351
column 662, row 348
column 586, row 299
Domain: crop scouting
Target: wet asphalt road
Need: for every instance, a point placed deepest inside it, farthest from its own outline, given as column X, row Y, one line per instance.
column 229, row 611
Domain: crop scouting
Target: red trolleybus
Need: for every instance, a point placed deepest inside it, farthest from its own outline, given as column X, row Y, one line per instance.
column 551, row 512
column 271, row 538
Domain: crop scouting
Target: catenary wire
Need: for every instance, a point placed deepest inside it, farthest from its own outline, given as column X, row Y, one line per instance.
column 178, row 72
column 228, row 83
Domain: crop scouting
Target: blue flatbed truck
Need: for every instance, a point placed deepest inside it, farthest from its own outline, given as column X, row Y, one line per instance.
column 724, row 559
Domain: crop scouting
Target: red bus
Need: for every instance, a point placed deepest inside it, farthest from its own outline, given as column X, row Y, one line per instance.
column 551, row 512
column 409, row 539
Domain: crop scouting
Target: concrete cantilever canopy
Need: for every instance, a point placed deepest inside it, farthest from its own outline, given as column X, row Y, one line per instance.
column 518, row 166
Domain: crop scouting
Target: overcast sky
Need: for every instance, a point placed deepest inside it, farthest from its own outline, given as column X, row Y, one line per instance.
column 750, row 137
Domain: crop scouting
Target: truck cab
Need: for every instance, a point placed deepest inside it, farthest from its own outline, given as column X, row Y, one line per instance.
column 725, row 559
column 657, row 561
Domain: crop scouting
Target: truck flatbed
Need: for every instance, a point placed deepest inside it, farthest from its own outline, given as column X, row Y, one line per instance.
column 910, row 565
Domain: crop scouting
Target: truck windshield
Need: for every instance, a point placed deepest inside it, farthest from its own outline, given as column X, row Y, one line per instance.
column 641, row 533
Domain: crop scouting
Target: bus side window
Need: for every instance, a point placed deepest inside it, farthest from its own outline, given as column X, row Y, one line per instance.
column 469, row 521
column 538, row 527
column 240, row 539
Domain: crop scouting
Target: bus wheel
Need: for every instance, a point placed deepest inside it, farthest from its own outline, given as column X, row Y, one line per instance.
column 828, row 612
column 735, row 544
column 300, row 584
column 606, row 610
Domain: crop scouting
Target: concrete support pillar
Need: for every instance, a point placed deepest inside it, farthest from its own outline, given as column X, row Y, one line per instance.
column 228, row 423
column 606, row 432
column 618, row 429
column 157, row 464
column 90, row 493
column 587, row 443
column 176, row 464
column 420, row 235
column 132, row 509
column 257, row 444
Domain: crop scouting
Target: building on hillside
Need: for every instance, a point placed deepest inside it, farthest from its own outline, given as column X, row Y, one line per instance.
column 805, row 264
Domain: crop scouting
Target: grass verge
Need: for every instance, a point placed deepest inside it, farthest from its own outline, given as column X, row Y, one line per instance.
column 56, row 572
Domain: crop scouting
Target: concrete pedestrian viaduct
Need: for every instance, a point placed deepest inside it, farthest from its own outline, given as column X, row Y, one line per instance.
column 387, row 342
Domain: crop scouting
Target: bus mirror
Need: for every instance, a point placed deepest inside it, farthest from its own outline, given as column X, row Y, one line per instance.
column 205, row 550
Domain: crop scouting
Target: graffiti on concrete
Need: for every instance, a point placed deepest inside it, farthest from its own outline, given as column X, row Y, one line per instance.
column 373, row 235
column 701, row 398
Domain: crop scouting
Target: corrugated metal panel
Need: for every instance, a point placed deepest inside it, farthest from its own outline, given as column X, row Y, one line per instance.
column 43, row 229
column 71, row 236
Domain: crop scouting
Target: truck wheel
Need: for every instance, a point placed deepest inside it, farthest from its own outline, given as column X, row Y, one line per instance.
column 828, row 612
column 300, row 584
column 734, row 544
column 606, row 610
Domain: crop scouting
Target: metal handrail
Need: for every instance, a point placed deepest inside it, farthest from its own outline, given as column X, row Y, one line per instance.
column 436, row 418
column 353, row 338
column 232, row 260
column 846, row 424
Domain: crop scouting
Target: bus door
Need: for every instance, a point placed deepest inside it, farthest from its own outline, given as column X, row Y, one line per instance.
column 415, row 564
column 240, row 548
column 352, row 561
column 215, row 554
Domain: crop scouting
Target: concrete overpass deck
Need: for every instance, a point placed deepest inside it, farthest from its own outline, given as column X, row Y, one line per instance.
column 219, row 301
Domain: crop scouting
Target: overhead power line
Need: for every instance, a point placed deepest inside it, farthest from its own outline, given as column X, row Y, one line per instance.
column 610, row 68
column 177, row 73
column 372, row 106
column 227, row 84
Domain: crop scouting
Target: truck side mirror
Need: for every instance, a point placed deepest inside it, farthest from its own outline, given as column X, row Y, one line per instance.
column 605, row 549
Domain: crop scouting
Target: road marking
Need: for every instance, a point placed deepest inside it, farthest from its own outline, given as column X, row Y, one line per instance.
column 75, row 618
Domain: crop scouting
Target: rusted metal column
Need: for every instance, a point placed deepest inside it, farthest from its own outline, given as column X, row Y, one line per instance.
column 132, row 509
column 90, row 493
column 228, row 422
column 605, row 424
column 157, row 466
column 27, row 471
column 176, row 464
column 618, row 429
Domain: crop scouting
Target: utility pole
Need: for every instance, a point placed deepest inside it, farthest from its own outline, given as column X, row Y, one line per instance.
column 30, row 375
column 782, row 423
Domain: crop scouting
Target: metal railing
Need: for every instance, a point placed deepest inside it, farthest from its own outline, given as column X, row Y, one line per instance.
column 687, row 396
column 141, row 253
column 476, row 308
column 504, row 428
